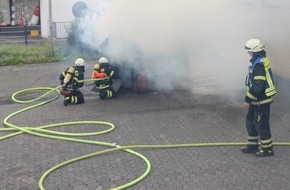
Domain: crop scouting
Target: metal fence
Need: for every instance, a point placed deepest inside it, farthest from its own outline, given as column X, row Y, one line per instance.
column 60, row 30
column 26, row 34
column 11, row 34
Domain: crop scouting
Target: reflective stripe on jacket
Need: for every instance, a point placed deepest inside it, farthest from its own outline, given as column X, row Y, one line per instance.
column 260, row 83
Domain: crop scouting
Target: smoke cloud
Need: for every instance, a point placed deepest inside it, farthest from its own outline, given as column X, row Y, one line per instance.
column 188, row 44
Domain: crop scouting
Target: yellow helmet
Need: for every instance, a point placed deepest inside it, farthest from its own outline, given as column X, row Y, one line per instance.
column 97, row 66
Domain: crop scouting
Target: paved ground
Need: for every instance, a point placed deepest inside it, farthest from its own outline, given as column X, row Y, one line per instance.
column 150, row 118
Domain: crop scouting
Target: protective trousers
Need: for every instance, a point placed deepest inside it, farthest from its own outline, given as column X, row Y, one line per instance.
column 76, row 97
column 107, row 93
column 258, row 128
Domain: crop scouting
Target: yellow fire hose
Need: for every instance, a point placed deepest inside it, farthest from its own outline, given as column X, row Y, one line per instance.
column 42, row 131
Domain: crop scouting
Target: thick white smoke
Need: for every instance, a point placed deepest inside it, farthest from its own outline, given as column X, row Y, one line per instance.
column 193, row 44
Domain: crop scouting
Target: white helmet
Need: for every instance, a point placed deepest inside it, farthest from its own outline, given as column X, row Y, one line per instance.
column 254, row 45
column 103, row 60
column 80, row 62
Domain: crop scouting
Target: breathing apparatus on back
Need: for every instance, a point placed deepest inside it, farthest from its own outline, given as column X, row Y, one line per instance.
column 71, row 72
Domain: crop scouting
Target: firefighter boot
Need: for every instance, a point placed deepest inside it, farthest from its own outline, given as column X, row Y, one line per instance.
column 265, row 152
column 250, row 149
column 66, row 100
column 103, row 94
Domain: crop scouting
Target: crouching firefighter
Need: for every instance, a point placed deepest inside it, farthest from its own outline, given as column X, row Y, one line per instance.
column 69, row 79
column 104, row 74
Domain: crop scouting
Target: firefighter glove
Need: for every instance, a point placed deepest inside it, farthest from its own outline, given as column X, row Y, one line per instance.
column 64, row 86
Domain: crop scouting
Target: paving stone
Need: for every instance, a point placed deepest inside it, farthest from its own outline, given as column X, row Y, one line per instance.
column 172, row 117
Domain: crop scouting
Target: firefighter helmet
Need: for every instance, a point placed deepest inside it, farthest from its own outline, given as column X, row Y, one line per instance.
column 97, row 66
column 254, row 45
column 80, row 62
column 103, row 60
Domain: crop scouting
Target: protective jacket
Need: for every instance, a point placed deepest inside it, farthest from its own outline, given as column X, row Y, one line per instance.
column 70, row 78
column 105, row 73
column 260, row 83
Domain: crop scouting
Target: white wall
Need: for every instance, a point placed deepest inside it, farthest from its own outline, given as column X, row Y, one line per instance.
column 61, row 12
column 44, row 16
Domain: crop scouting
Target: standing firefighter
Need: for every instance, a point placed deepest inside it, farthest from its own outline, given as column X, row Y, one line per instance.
column 260, row 90
column 69, row 79
column 104, row 73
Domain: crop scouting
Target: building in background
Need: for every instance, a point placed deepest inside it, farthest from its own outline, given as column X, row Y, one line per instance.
column 19, row 12
column 36, row 13
column 19, row 18
column 62, row 15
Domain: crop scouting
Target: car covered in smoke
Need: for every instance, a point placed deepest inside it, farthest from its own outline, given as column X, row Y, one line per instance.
column 138, row 69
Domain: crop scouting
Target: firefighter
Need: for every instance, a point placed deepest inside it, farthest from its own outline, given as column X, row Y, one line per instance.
column 104, row 73
column 260, row 90
column 70, row 81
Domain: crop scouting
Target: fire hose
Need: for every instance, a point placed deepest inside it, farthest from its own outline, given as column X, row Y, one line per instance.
column 43, row 131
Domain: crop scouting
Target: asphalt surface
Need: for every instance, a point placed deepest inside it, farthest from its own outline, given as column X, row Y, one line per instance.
column 171, row 117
